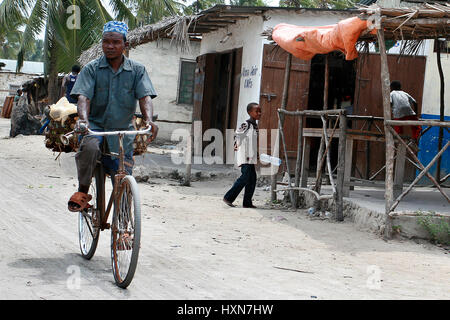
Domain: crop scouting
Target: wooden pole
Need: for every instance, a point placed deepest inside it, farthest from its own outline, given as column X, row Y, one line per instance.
column 291, row 191
column 313, row 113
column 321, row 162
column 298, row 164
column 413, row 155
column 419, row 176
column 322, row 141
column 441, row 113
column 327, row 152
column 326, row 85
column 445, row 124
column 339, row 200
column 287, row 74
column 385, row 90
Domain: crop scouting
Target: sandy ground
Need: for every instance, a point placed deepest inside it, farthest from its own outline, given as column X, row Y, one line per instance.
column 193, row 246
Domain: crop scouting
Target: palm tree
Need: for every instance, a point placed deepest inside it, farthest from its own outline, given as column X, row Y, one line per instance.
column 200, row 5
column 10, row 42
column 67, row 32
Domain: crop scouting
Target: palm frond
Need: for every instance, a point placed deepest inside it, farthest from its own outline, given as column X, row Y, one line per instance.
column 34, row 25
column 13, row 12
column 123, row 13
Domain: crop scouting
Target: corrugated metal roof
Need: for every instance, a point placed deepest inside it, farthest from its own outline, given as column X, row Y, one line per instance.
column 31, row 67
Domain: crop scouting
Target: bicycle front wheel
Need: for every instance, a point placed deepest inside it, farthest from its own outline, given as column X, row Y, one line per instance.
column 126, row 232
column 89, row 219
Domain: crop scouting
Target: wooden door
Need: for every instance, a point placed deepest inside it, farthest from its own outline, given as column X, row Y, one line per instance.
column 410, row 71
column 236, row 84
column 272, row 81
column 199, row 85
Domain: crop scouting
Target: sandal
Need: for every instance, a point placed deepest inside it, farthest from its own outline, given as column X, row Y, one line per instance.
column 79, row 201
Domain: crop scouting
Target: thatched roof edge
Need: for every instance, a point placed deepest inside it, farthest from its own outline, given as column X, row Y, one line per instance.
column 173, row 27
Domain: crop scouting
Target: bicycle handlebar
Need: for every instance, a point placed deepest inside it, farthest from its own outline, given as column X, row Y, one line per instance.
column 66, row 137
column 112, row 133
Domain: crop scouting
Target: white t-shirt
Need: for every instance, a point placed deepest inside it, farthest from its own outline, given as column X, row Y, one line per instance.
column 401, row 104
column 246, row 139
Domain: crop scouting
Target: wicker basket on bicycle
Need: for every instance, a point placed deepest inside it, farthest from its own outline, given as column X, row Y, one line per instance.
column 63, row 120
column 139, row 144
column 56, row 129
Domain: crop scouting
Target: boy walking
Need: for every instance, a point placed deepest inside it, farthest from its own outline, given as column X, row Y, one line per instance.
column 246, row 147
column 402, row 104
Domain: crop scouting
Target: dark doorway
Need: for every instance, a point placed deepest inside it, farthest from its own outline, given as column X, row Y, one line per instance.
column 217, row 83
column 341, row 89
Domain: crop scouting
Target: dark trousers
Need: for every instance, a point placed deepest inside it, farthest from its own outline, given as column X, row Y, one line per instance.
column 89, row 153
column 248, row 181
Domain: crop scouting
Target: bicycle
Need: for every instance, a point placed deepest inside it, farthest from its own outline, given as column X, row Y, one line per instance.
column 126, row 221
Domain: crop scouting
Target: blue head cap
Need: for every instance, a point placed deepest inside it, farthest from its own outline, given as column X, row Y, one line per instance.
column 116, row 26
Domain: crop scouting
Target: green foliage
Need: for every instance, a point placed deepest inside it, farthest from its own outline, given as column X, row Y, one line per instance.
column 10, row 42
column 152, row 11
column 324, row 4
column 37, row 53
column 248, row 3
column 437, row 227
column 51, row 17
column 200, row 5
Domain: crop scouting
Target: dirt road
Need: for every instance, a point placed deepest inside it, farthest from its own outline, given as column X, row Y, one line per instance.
column 193, row 246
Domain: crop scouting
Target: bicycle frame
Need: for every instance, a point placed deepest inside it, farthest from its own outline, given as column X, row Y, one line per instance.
column 118, row 176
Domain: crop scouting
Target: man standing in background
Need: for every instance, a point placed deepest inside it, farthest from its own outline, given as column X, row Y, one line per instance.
column 68, row 83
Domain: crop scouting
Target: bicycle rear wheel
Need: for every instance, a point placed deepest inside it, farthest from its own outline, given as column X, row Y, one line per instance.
column 89, row 219
column 126, row 232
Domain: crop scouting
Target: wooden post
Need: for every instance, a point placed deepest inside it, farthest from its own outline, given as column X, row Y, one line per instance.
column 283, row 140
column 326, row 85
column 385, row 90
column 322, row 142
column 399, row 170
column 339, row 200
column 305, row 163
column 413, row 155
column 298, row 163
column 442, row 108
column 348, row 166
column 287, row 74
column 419, row 176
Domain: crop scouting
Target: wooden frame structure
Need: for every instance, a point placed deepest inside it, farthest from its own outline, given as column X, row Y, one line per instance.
column 432, row 21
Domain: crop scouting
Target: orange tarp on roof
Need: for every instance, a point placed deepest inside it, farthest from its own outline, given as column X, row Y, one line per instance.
column 305, row 42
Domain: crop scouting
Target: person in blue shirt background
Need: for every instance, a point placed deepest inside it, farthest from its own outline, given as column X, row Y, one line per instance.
column 68, row 83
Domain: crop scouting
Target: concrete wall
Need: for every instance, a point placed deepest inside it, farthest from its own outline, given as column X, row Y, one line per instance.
column 431, row 110
column 162, row 61
column 7, row 78
column 245, row 34
column 431, row 90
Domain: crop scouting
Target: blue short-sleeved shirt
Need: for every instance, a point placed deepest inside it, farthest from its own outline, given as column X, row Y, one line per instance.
column 113, row 96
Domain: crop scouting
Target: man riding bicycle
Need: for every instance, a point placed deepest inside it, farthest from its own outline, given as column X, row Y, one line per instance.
column 107, row 90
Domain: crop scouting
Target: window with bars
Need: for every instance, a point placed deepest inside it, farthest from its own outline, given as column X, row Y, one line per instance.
column 186, row 84
column 13, row 89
